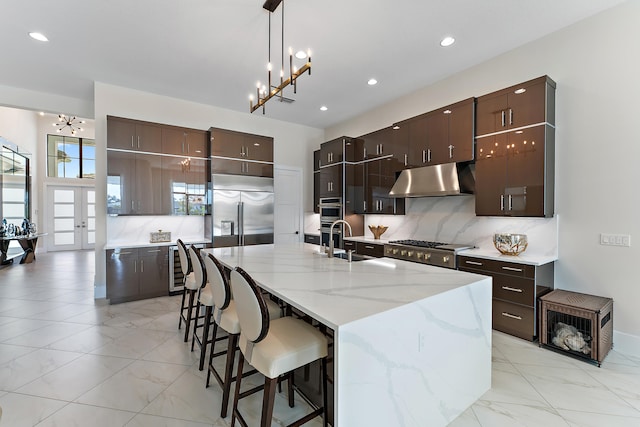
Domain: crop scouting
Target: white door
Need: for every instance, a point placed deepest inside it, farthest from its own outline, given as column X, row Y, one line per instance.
column 72, row 218
column 287, row 183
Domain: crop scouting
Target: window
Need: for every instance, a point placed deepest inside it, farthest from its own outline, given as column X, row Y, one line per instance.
column 71, row 157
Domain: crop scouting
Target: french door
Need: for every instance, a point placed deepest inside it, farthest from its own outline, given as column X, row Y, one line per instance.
column 72, row 218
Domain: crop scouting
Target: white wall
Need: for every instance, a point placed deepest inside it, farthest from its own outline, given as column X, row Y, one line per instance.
column 595, row 64
column 293, row 144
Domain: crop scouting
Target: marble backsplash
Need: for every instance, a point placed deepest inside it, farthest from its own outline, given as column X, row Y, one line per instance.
column 452, row 219
column 131, row 230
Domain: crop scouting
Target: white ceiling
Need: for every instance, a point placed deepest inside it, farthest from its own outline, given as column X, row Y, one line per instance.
column 214, row 51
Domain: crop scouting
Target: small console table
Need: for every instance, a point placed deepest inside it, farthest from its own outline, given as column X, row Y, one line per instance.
column 27, row 243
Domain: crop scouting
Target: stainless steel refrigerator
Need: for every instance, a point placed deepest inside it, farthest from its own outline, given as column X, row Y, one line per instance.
column 242, row 210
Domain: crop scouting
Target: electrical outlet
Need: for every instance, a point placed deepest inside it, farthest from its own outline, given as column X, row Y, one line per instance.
column 615, row 239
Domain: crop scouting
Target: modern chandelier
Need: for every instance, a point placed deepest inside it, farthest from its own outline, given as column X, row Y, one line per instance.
column 270, row 90
column 65, row 121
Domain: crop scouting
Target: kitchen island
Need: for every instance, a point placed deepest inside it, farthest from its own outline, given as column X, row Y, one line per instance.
column 412, row 342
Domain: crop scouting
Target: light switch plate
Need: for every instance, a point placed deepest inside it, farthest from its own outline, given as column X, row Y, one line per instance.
column 615, row 239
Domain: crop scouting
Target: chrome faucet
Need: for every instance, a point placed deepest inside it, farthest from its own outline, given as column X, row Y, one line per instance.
column 331, row 248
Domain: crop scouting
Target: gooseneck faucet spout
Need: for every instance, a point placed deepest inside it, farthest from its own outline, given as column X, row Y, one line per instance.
column 331, row 246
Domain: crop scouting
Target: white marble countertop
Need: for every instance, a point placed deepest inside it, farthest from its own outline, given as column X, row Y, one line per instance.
column 335, row 291
column 187, row 241
column 524, row 258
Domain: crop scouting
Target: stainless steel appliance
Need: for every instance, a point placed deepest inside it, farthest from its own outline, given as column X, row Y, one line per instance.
column 242, row 210
column 433, row 253
column 331, row 211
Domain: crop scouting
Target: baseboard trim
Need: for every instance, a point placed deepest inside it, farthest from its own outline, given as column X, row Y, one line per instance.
column 626, row 343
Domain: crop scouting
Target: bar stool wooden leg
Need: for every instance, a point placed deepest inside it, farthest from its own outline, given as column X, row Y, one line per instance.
column 268, row 399
column 212, row 352
column 195, row 325
column 236, row 395
column 228, row 373
column 205, row 336
column 184, row 293
column 192, row 295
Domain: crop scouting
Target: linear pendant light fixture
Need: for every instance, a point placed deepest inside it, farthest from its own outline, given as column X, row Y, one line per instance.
column 266, row 92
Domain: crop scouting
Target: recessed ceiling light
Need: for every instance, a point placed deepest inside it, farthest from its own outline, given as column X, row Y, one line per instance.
column 301, row 54
column 38, row 36
column 447, row 41
column 372, row 82
column 323, row 108
column 519, row 91
column 41, row 113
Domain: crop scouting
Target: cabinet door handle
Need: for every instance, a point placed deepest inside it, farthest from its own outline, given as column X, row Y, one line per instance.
column 405, row 160
column 132, row 146
column 502, row 202
column 141, row 266
column 138, row 141
column 510, row 202
column 183, row 147
column 369, row 247
column 511, row 316
column 133, row 206
column 429, row 155
column 153, row 251
column 473, row 262
column 364, row 206
column 510, row 116
column 135, row 266
column 424, row 156
column 509, row 288
column 503, row 118
column 125, row 253
column 381, row 149
column 519, row 270
column 451, row 147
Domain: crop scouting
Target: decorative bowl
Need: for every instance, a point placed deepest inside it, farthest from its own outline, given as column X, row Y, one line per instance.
column 378, row 230
column 510, row 244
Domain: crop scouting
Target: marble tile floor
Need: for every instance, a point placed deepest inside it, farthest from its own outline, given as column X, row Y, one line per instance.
column 65, row 361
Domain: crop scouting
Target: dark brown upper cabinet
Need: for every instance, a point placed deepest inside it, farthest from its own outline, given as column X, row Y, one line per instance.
column 444, row 135
column 135, row 184
column 343, row 149
column 238, row 153
column 389, row 141
column 331, row 180
column 240, row 145
column 133, row 135
column 525, row 104
column 515, row 173
column 316, row 181
column 186, row 142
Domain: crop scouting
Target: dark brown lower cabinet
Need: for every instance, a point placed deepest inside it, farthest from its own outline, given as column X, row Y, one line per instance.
column 516, row 289
column 137, row 273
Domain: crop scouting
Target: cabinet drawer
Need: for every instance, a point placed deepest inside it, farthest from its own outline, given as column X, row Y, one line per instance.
column 492, row 266
column 313, row 239
column 514, row 289
column 514, row 319
column 350, row 246
column 370, row 249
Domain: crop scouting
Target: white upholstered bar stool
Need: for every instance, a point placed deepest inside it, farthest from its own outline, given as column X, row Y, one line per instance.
column 225, row 318
column 189, row 290
column 204, row 299
column 274, row 348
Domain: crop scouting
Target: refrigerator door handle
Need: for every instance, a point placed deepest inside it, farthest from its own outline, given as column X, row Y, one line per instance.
column 241, row 223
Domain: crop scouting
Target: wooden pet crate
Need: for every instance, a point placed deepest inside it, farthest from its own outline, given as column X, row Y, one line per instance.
column 576, row 319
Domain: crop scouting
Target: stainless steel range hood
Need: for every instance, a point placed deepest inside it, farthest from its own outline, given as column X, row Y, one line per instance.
column 449, row 179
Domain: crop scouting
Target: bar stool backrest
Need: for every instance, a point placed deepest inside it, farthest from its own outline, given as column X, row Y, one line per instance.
column 253, row 314
column 218, row 280
column 198, row 268
column 185, row 262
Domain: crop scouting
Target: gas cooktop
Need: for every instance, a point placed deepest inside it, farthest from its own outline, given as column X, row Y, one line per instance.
column 426, row 252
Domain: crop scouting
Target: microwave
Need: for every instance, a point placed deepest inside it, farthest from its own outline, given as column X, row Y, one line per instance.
column 330, row 209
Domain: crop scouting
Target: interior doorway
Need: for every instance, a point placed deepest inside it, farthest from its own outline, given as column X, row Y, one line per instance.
column 71, row 223
column 287, row 183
